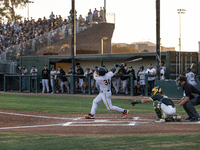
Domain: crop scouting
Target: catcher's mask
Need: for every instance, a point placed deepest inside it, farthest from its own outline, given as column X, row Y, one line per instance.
column 156, row 90
column 179, row 80
column 102, row 71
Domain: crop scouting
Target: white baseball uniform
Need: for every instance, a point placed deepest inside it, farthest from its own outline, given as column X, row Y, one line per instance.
column 141, row 74
column 162, row 71
column 105, row 93
column 52, row 73
column 191, row 78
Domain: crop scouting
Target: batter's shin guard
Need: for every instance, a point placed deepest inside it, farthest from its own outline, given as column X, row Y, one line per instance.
column 157, row 108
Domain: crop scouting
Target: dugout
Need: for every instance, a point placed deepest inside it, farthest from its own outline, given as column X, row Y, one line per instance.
column 171, row 62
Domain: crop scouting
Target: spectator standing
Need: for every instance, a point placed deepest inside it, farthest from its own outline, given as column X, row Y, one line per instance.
column 52, row 16
column 80, row 72
column 86, row 74
column 24, row 72
column 163, row 65
column 53, row 76
column 33, row 71
column 141, row 75
column 151, row 80
column 45, row 79
column 104, row 13
column 122, row 71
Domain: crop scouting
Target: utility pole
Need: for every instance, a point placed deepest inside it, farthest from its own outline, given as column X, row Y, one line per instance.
column 73, row 42
column 158, row 58
column 180, row 11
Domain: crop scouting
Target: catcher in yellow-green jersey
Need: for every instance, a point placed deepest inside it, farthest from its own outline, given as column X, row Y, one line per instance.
column 163, row 105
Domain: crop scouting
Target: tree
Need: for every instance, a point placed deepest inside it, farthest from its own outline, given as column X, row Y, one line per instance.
column 7, row 9
column 123, row 49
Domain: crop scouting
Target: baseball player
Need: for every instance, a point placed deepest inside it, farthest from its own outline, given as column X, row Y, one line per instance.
column 45, row 79
column 24, row 72
column 33, row 71
column 151, row 80
column 141, row 75
column 115, row 81
column 190, row 77
column 122, row 71
column 162, row 74
column 192, row 98
column 64, row 81
column 80, row 81
column 132, row 71
column 53, row 73
column 88, row 72
column 163, row 106
column 103, row 78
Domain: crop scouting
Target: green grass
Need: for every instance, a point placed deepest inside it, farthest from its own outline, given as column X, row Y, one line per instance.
column 23, row 141
column 61, row 104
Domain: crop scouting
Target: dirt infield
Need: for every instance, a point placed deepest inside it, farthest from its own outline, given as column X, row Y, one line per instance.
column 76, row 124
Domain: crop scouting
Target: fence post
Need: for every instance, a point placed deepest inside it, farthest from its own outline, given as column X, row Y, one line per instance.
column 20, row 83
column 29, row 80
column 72, row 84
column 132, row 92
column 89, row 84
column 36, row 84
column 4, row 83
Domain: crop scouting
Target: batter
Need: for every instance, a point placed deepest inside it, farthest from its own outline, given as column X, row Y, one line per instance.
column 103, row 78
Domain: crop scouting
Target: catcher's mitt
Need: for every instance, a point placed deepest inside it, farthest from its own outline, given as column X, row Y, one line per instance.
column 133, row 102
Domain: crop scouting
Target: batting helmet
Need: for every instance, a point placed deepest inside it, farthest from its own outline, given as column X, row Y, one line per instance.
column 189, row 69
column 102, row 71
column 156, row 90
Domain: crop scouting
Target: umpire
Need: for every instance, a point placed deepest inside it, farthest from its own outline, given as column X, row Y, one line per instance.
column 192, row 99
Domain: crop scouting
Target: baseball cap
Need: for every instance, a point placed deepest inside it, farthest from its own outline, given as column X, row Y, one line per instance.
column 87, row 68
column 33, row 66
column 120, row 65
column 96, row 66
column 130, row 67
column 77, row 64
column 150, row 64
column 45, row 65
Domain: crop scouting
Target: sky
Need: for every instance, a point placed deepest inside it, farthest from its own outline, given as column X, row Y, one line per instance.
column 135, row 20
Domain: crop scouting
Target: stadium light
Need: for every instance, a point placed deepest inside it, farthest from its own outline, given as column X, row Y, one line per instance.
column 180, row 11
column 103, row 38
column 28, row 8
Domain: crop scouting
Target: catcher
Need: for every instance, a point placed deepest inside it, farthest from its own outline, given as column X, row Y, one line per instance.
column 163, row 106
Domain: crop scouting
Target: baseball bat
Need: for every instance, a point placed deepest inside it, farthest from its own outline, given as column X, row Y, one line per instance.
column 191, row 65
column 137, row 59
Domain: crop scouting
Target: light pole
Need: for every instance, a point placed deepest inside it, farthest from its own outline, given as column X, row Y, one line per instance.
column 103, row 38
column 180, row 11
column 28, row 8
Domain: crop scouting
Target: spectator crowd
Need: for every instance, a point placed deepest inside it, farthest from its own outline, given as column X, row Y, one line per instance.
column 18, row 34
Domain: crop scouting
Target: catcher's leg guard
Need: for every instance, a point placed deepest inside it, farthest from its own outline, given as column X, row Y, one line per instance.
column 156, row 105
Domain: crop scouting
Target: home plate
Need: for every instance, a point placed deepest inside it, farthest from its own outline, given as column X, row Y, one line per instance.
column 67, row 124
column 131, row 124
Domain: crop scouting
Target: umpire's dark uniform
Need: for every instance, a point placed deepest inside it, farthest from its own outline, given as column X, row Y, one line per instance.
column 194, row 95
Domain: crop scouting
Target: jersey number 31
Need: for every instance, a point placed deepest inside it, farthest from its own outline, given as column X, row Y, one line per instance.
column 106, row 82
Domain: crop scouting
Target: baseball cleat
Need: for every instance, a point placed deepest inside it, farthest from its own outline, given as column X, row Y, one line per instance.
column 160, row 120
column 89, row 116
column 125, row 113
